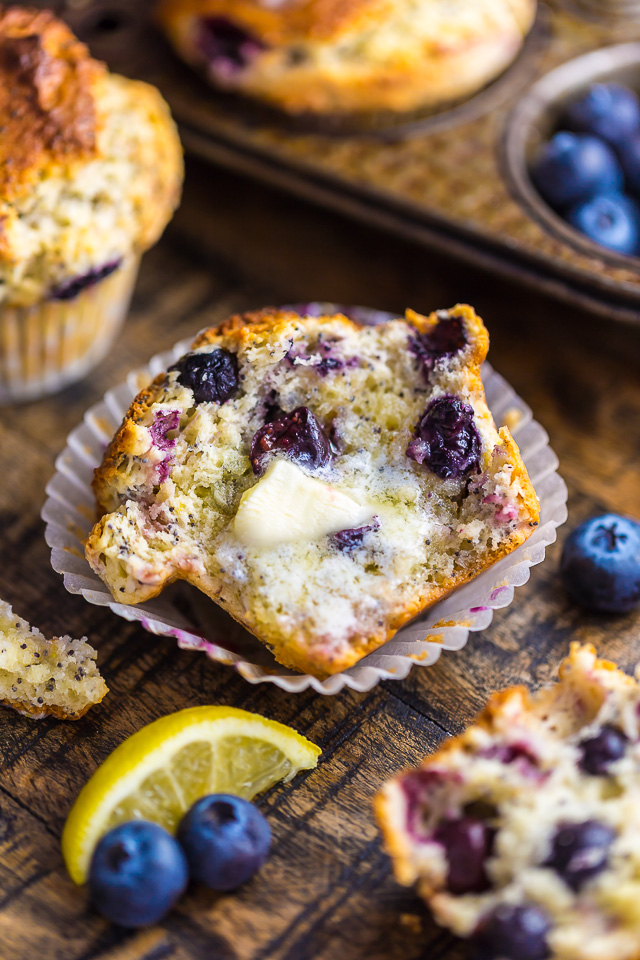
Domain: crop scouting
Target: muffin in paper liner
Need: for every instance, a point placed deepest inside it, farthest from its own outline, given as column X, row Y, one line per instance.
column 51, row 344
column 197, row 623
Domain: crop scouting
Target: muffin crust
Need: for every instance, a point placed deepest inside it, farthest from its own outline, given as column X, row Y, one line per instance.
column 351, row 57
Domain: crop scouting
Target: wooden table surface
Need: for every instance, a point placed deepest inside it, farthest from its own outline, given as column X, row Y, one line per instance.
column 327, row 889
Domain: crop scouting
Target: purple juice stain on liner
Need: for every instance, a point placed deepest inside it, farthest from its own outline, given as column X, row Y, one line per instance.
column 495, row 594
column 69, row 289
column 228, row 48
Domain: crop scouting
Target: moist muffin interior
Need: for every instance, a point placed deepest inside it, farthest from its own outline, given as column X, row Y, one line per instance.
column 172, row 482
column 529, row 821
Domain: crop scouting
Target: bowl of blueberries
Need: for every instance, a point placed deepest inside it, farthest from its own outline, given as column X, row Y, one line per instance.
column 572, row 152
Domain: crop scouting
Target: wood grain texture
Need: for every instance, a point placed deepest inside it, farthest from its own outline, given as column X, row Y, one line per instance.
column 327, row 889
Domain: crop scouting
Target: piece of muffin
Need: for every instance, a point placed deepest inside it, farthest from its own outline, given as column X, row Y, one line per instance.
column 322, row 480
column 90, row 173
column 40, row 677
column 523, row 832
column 349, row 56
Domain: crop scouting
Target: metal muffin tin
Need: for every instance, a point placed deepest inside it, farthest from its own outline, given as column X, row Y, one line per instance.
column 455, row 180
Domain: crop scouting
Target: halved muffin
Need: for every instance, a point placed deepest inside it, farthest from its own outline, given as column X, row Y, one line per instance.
column 522, row 833
column 322, row 480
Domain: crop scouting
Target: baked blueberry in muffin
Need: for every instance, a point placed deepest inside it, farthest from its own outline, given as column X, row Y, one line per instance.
column 348, row 56
column 322, row 480
column 522, row 833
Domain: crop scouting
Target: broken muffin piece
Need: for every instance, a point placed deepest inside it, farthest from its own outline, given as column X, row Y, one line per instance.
column 323, row 480
column 40, row 677
column 521, row 833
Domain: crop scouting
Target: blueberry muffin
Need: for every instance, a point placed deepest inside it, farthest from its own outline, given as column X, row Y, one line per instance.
column 322, row 480
column 90, row 172
column 349, row 56
column 40, row 677
column 522, row 833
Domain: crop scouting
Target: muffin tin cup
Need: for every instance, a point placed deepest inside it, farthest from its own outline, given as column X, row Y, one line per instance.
column 45, row 347
column 535, row 119
column 197, row 624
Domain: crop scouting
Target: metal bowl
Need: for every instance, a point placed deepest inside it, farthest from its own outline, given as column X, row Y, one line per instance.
column 536, row 117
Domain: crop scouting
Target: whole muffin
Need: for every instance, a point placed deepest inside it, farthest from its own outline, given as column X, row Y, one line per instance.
column 90, row 173
column 349, row 56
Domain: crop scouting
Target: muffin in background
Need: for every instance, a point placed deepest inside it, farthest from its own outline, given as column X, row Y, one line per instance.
column 337, row 57
column 90, row 173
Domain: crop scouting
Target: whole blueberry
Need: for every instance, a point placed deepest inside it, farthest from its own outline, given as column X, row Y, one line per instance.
column 467, row 843
column 601, row 564
column 610, row 220
column 211, row 376
column 447, row 440
column 226, row 840
column 607, row 110
column 601, row 750
column 580, row 851
column 138, row 871
column 572, row 167
column 629, row 156
column 513, row 932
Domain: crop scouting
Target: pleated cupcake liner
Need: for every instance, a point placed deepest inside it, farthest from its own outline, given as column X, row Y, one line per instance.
column 49, row 345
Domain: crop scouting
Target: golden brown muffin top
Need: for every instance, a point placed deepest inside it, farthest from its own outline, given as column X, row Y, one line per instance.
column 284, row 21
column 47, row 110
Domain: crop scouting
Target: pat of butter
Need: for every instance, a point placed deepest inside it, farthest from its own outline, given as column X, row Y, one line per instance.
column 287, row 505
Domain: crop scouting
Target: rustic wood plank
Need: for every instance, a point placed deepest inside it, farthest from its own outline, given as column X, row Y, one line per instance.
column 327, row 888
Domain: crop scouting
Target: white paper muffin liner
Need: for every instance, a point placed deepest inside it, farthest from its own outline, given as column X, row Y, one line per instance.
column 197, row 623
column 46, row 347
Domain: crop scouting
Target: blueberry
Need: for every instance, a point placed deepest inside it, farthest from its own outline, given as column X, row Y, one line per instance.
column 70, row 289
column 212, row 376
column 445, row 339
column 610, row 220
column 573, row 167
column 607, row 110
column 580, row 851
column 446, row 439
column 298, row 435
column 137, row 873
column 513, row 932
column 601, row 564
column 351, row 539
column 228, row 47
column 603, row 749
column 629, row 156
column 467, row 843
column 226, row 840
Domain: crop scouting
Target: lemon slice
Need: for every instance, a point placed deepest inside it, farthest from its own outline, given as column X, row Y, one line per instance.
column 160, row 771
